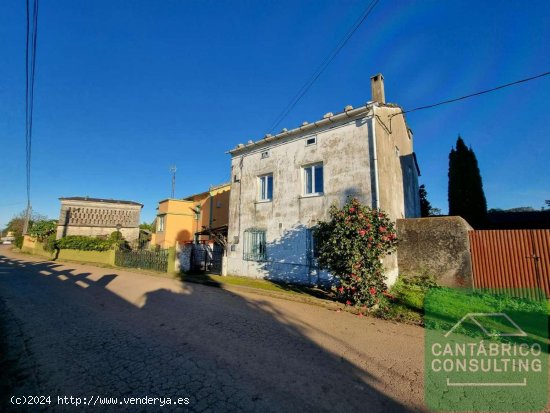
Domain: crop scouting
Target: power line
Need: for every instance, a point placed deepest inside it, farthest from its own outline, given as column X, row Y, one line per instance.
column 304, row 89
column 30, row 66
column 471, row 94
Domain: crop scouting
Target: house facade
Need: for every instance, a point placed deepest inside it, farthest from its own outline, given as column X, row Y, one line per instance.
column 184, row 220
column 283, row 185
column 98, row 217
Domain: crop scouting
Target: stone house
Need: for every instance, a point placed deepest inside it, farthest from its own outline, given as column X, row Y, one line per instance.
column 183, row 220
column 98, row 217
column 282, row 185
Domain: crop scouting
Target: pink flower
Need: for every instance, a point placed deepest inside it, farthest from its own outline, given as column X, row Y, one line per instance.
column 362, row 232
column 348, row 302
column 382, row 229
column 352, row 210
column 372, row 291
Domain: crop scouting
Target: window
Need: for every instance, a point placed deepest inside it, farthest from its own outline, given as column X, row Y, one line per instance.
column 266, row 188
column 311, row 141
column 313, row 179
column 265, row 154
column 160, row 223
column 254, row 245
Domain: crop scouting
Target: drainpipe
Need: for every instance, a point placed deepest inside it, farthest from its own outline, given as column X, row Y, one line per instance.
column 211, row 218
column 375, row 158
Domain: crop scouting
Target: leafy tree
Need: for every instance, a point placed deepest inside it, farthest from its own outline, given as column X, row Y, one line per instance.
column 351, row 245
column 466, row 196
column 426, row 209
column 17, row 223
column 147, row 227
column 425, row 206
column 43, row 228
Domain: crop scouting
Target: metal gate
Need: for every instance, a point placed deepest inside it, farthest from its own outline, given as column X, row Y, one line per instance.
column 515, row 260
column 147, row 260
column 206, row 259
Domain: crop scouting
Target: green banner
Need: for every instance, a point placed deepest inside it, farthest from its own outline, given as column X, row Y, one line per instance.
column 486, row 351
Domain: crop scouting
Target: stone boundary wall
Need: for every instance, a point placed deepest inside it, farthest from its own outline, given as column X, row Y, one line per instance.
column 437, row 245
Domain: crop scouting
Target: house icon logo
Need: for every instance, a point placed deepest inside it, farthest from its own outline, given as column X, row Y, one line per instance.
column 476, row 317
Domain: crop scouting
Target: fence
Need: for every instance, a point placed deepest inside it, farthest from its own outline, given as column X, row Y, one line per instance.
column 207, row 259
column 515, row 260
column 149, row 260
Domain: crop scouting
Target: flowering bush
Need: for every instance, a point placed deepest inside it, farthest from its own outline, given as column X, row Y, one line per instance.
column 351, row 245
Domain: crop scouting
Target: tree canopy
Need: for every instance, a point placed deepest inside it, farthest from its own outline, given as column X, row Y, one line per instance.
column 466, row 196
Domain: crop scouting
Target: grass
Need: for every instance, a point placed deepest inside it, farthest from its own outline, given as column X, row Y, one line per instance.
column 410, row 295
column 260, row 284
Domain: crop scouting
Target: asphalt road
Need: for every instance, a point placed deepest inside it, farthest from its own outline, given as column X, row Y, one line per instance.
column 96, row 333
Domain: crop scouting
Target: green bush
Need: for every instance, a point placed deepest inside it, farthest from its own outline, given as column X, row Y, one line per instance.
column 406, row 301
column 19, row 241
column 411, row 291
column 79, row 242
column 49, row 243
column 42, row 229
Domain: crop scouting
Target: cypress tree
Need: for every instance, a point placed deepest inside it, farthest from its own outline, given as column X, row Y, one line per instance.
column 466, row 197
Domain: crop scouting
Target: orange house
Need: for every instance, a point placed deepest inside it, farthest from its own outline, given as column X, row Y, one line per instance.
column 181, row 220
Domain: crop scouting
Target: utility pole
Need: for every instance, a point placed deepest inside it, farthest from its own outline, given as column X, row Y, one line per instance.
column 27, row 219
column 173, row 169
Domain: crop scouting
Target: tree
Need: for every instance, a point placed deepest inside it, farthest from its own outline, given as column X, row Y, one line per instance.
column 466, row 196
column 147, row 227
column 42, row 229
column 425, row 205
column 426, row 209
column 350, row 245
column 17, row 223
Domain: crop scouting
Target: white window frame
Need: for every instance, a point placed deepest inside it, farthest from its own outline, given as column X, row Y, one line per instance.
column 263, row 189
column 312, row 166
column 314, row 138
column 161, row 224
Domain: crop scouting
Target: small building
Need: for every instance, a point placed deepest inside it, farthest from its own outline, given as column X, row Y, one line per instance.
column 98, row 217
column 283, row 185
column 190, row 219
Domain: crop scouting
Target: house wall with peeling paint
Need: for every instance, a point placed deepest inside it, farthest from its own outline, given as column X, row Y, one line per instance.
column 346, row 150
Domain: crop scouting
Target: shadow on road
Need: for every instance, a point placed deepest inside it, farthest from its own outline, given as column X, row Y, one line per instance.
column 222, row 350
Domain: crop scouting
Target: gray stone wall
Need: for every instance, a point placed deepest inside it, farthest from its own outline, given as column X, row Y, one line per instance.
column 438, row 245
column 91, row 218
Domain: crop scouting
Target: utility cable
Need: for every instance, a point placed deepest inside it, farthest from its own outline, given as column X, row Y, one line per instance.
column 472, row 94
column 304, row 89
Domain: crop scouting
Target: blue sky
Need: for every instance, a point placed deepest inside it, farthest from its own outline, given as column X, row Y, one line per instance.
column 124, row 89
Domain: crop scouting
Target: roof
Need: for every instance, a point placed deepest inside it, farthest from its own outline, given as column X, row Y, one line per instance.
column 348, row 113
column 109, row 201
column 212, row 188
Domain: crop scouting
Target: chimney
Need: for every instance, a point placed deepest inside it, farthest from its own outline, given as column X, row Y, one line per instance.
column 377, row 88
